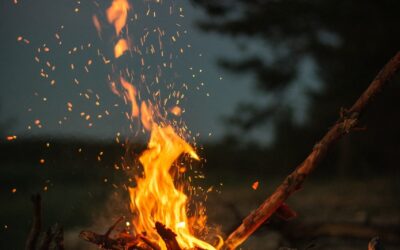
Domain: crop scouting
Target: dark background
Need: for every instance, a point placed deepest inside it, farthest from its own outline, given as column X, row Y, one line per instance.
column 288, row 68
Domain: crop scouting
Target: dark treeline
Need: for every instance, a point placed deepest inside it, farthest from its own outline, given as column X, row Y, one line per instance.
column 347, row 41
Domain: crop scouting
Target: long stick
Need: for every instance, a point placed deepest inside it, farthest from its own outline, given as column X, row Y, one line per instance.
column 36, row 223
column 347, row 122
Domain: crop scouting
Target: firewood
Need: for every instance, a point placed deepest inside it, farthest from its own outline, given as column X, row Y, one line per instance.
column 123, row 241
column 347, row 122
column 168, row 237
column 152, row 244
column 103, row 241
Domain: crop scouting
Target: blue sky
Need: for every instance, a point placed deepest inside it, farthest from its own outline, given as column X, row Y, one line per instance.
column 26, row 97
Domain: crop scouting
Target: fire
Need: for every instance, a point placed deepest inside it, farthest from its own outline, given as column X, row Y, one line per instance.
column 131, row 96
column 120, row 48
column 117, row 14
column 156, row 198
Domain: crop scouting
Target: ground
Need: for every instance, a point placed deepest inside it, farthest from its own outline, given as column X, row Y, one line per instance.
column 333, row 212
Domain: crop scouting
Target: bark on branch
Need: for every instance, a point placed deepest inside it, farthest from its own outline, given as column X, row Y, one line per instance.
column 347, row 122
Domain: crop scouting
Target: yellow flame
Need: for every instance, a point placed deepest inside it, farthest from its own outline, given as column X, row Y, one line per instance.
column 155, row 198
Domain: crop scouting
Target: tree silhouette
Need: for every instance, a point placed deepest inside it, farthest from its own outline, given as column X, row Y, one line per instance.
column 348, row 42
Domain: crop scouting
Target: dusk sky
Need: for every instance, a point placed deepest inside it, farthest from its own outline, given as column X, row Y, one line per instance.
column 26, row 96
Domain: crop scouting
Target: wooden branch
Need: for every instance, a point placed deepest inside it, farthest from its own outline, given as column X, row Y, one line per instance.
column 103, row 241
column 346, row 123
column 150, row 243
column 168, row 237
column 36, row 223
column 58, row 232
column 53, row 235
column 122, row 242
column 48, row 237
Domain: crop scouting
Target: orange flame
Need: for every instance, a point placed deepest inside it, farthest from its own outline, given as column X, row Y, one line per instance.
column 117, row 14
column 120, row 48
column 130, row 95
column 147, row 116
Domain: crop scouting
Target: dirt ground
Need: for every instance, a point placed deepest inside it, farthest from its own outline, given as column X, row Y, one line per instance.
column 332, row 214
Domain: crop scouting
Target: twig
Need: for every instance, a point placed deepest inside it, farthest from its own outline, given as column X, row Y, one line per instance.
column 346, row 123
column 36, row 223
column 109, row 231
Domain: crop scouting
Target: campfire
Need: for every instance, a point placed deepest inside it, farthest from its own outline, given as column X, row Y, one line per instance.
column 158, row 202
column 159, row 199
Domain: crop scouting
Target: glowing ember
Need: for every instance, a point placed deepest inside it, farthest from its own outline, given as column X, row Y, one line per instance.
column 96, row 23
column 255, row 185
column 11, row 137
column 177, row 111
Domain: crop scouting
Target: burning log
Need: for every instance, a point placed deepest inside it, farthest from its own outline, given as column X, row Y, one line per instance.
column 122, row 242
column 106, row 242
column 130, row 242
column 347, row 122
column 168, row 237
